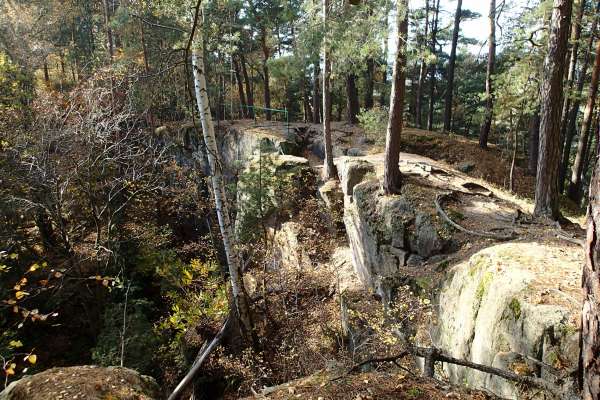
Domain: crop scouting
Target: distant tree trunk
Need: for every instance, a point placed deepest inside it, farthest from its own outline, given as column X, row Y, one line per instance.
column 382, row 98
column 422, row 73
column 574, row 190
column 109, row 34
column 590, row 314
column 534, row 143
column 352, row 104
column 574, row 110
column 328, row 166
column 265, row 67
column 489, row 90
column 316, row 117
column 392, row 179
column 590, row 152
column 144, row 49
column 369, row 76
column 433, row 68
column 451, row 62
column 240, row 298
column 546, row 186
column 249, row 93
column 240, row 86
column 46, row 73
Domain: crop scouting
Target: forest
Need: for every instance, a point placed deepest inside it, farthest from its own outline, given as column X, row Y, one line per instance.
column 315, row 199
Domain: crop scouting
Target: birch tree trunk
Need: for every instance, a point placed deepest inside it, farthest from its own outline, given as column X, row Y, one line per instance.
column 392, row 179
column 240, row 299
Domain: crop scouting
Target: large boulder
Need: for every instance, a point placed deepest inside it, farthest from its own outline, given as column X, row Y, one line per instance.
column 493, row 310
column 85, row 382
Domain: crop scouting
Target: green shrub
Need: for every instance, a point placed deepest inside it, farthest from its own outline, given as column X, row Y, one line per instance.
column 374, row 122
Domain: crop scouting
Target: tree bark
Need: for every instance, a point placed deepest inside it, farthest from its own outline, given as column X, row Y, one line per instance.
column 328, row 166
column 574, row 110
column 392, row 179
column 109, row 34
column 316, row 117
column 546, row 188
column 451, row 63
column 240, row 298
column 534, row 143
column 352, row 104
column 590, row 314
column 369, row 76
column 422, row 74
column 575, row 183
column 265, row 67
column 249, row 93
column 433, row 68
column 240, row 85
column 486, row 127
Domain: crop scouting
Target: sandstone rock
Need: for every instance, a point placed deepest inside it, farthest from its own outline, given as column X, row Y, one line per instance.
column 85, row 382
column 415, row 261
column 354, row 152
column 352, row 172
column 466, row 167
column 332, row 195
column 426, row 240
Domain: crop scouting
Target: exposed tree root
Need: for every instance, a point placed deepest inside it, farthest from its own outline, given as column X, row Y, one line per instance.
column 445, row 216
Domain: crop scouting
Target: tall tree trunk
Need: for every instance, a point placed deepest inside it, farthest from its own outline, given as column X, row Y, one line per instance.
column 546, row 186
column 316, row 96
column 489, row 90
column 109, row 34
column 382, row 97
column 392, row 179
column 46, row 73
column 328, row 166
column 433, row 68
column 265, row 67
column 451, row 62
column 590, row 314
column 240, row 85
column 249, row 93
column 240, row 299
column 422, row 73
column 352, row 105
column 574, row 110
column 590, row 152
column 534, row 143
column 369, row 77
column 575, row 183
column 144, row 49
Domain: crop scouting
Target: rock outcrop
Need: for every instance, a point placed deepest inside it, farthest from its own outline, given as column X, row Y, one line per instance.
column 85, row 382
column 490, row 312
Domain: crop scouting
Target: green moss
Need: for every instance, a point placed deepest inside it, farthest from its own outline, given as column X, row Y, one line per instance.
column 443, row 265
column 483, row 286
column 424, row 283
column 414, row 392
column 515, row 307
column 478, row 263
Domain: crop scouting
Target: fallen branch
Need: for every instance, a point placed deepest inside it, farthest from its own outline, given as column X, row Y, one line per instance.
column 433, row 355
column 204, row 352
column 445, row 216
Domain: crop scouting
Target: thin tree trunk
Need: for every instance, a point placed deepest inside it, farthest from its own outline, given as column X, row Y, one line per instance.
column 534, row 143
column 328, row 166
column 489, row 90
column 422, row 73
column 249, row 93
column 109, row 34
column 590, row 152
column 240, row 299
column 265, row 67
column 575, row 183
column 590, row 314
column 382, row 98
column 546, row 187
column 451, row 63
column 240, row 85
column 369, row 77
column 574, row 110
column 46, row 73
column 352, row 105
column 316, row 117
column 392, row 178
column 433, row 68
column 144, row 49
